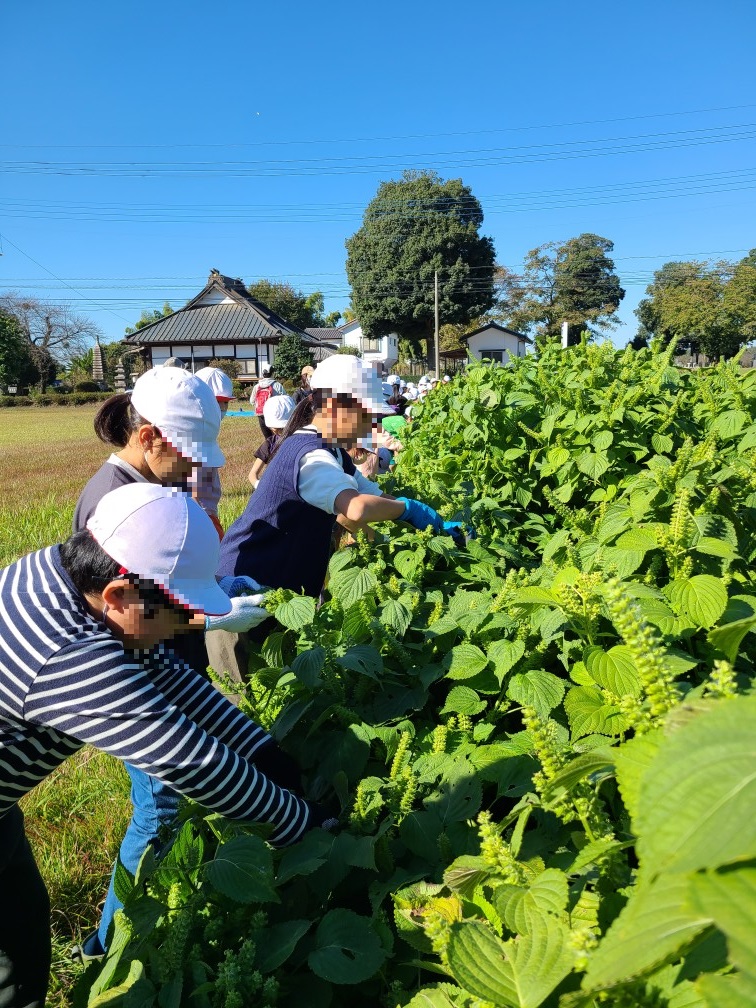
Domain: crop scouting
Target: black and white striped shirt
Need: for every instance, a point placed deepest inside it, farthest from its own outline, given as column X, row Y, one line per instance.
column 65, row 680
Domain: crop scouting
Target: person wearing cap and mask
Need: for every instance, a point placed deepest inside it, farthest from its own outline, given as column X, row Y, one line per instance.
column 82, row 662
column 304, row 389
column 283, row 537
column 204, row 481
column 276, row 413
column 165, row 428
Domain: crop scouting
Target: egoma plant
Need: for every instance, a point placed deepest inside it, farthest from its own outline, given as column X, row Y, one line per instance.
column 541, row 743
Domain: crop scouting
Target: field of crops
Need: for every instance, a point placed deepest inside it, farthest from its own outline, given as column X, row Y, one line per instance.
column 542, row 743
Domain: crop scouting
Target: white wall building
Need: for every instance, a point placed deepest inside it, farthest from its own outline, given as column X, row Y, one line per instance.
column 382, row 351
column 496, row 343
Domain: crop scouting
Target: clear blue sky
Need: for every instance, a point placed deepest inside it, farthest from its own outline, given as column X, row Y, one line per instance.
column 144, row 144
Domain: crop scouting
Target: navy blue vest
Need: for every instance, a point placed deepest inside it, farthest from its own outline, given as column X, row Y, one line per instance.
column 280, row 540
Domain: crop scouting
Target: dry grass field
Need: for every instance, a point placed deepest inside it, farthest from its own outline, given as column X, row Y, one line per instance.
column 76, row 818
column 47, row 454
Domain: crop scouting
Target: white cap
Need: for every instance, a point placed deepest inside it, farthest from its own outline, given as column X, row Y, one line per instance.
column 162, row 535
column 342, row 373
column 393, row 379
column 277, row 410
column 220, row 384
column 447, row 378
column 184, row 410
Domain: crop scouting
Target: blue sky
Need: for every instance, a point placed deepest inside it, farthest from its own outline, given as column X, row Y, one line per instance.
column 144, row 144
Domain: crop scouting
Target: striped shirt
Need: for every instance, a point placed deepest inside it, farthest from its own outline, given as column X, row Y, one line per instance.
column 65, row 680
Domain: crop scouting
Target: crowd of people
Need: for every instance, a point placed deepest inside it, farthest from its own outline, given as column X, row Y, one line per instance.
column 105, row 639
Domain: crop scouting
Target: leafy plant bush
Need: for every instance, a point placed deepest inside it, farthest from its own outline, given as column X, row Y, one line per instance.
column 540, row 743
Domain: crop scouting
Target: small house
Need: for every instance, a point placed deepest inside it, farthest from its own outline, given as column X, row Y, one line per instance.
column 496, row 342
column 223, row 322
column 381, row 351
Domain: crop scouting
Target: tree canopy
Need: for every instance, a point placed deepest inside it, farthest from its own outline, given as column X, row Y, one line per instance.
column 148, row 317
column 708, row 308
column 302, row 310
column 16, row 364
column 572, row 281
column 54, row 334
column 291, row 356
column 410, row 229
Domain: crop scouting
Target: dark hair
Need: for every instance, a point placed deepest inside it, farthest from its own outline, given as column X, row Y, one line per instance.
column 398, row 402
column 116, row 420
column 305, row 410
column 90, row 568
column 86, row 562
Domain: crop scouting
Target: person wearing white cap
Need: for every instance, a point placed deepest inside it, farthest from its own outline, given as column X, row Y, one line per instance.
column 204, row 481
column 283, row 537
column 165, row 428
column 78, row 627
column 276, row 413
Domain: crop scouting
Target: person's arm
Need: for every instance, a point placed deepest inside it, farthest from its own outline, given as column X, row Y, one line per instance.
column 362, row 508
column 169, row 722
column 256, row 472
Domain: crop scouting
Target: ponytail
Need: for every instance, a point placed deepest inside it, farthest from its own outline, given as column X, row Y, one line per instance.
column 116, row 420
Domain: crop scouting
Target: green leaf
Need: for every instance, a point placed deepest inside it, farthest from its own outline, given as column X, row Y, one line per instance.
column 631, row 761
column 297, row 613
column 519, row 973
column 716, row 547
column 651, row 929
column 703, row 598
column 136, row 991
column 350, row 585
column 540, row 689
column 464, row 661
column 396, row 616
column 589, row 713
column 729, row 423
column 280, row 941
column 519, row 907
column 593, row 464
column 602, row 440
column 362, row 658
column 729, row 637
column 456, row 800
column 614, row 670
column 595, row 761
column 420, row 832
column 696, row 803
column 504, row 655
column 638, row 540
column 242, row 869
column 308, row 665
column 730, row 899
column 662, row 443
column 534, row 596
column 463, row 700
column 347, row 948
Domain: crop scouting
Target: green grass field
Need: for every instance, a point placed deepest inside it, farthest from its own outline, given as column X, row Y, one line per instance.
column 76, row 818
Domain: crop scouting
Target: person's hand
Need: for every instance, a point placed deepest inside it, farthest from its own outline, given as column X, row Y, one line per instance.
column 241, row 584
column 421, row 515
column 457, row 531
column 245, row 614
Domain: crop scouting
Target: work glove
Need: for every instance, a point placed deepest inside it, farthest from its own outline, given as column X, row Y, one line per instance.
column 278, row 766
column 457, row 531
column 245, row 614
column 241, row 584
column 324, row 817
column 420, row 515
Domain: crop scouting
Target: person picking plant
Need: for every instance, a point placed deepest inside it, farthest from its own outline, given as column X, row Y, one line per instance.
column 83, row 627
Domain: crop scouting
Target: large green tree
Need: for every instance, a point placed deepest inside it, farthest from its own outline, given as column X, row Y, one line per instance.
column 572, row 281
column 16, row 364
column 708, row 308
column 412, row 228
column 291, row 356
column 302, row 310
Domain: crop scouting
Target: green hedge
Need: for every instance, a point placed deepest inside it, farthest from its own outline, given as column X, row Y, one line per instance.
column 71, row 399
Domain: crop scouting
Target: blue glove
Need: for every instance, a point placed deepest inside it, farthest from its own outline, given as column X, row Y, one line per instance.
column 421, row 515
column 457, row 531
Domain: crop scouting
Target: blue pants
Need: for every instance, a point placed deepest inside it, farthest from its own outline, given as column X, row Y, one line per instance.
column 155, row 805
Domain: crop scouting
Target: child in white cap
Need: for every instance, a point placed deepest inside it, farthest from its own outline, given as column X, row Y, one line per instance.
column 79, row 625
column 283, row 537
column 276, row 413
column 205, row 481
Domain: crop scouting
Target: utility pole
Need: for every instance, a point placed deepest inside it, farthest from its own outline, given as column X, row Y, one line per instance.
column 437, row 353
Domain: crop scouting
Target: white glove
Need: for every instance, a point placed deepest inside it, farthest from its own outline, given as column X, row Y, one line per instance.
column 245, row 614
column 240, row 584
